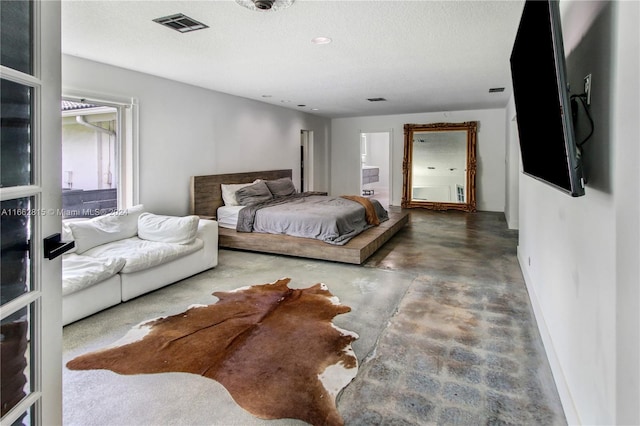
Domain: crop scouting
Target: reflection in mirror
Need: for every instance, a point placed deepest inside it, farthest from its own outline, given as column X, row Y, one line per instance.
column 439, row 166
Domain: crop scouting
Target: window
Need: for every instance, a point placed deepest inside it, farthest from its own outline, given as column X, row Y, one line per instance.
column 98, row 173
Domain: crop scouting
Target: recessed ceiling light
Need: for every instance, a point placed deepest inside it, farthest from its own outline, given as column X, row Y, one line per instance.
column 496, row 90
column 285, row 101
column 301, row 105
column 376, row 99
column 314, row 109
column 321, row 40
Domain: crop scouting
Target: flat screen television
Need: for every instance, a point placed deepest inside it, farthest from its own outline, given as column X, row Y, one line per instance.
column 541, row 94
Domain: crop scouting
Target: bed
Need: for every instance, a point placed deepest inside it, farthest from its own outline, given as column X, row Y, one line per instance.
column 207, row 198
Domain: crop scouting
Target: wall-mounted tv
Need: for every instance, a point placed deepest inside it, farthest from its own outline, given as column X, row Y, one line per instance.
column 543, row 111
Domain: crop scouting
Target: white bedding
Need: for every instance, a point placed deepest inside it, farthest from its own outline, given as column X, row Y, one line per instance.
column 80, row 272
column 142, row 254
column 227, row 216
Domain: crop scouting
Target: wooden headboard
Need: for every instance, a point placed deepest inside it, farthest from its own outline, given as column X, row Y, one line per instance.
column 206, row 195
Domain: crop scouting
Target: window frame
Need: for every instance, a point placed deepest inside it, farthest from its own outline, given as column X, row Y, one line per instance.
column 127, row 150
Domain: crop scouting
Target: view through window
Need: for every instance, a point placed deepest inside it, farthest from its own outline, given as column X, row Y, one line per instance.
column 90, row 147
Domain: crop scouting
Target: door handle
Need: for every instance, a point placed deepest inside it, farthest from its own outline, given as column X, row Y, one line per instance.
column 54, row 247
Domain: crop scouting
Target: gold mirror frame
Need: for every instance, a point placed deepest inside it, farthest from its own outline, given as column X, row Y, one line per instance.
column 470, row 195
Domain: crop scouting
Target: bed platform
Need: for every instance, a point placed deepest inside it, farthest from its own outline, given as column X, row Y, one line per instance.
column 206, row 197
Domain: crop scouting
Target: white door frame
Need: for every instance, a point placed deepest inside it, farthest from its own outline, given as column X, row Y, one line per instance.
column 390, row 162
column 127, row 133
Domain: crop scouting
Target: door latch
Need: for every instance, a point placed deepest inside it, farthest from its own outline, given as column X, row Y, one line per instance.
column 54, row 247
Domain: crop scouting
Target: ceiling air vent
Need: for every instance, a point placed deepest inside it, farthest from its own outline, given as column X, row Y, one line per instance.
column 376, row 99
column 181, row 23
column 496, row 90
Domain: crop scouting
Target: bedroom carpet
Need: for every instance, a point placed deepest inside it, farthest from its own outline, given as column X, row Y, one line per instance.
column 447, row 336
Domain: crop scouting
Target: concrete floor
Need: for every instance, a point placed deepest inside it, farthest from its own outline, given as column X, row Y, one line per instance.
column 447, row 336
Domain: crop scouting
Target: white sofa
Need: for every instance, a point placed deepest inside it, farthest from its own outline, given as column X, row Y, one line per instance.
column 126, row 254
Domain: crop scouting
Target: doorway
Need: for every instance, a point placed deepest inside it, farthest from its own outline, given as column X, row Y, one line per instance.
column 375, row 159
column 306, row 160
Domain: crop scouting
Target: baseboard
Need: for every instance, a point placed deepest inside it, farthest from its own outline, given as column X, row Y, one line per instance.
column 568, row 406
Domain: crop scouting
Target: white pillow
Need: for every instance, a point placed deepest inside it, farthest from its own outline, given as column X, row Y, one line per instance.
column 229, row 192
column 105, row 229
column 168, row 229
column 67, row 235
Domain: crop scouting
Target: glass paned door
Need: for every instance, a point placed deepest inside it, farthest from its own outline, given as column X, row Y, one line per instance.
column 30, row 194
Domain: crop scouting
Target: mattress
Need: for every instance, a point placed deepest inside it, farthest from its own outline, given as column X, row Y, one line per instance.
column 227, row 216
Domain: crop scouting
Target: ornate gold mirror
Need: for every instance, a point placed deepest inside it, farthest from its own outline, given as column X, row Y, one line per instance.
column 439, row 166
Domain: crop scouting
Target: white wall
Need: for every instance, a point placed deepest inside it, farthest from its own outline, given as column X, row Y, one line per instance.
column 80, row 156
column 89, row 155
column 580, row 256
column 186, row 130
column 490, row 177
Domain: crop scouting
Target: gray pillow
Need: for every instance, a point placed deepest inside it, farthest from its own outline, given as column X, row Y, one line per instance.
column 281, row 187
column 253, row 194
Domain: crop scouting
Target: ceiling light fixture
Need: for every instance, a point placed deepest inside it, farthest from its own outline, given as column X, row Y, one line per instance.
column 321, row 40
column 265, row 5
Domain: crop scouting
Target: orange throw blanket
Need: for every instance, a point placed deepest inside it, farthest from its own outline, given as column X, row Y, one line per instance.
column 369, row 209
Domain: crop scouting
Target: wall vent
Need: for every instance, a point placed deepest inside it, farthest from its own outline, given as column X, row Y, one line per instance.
column 376, row 99
column 181, row 23
column 496, row 90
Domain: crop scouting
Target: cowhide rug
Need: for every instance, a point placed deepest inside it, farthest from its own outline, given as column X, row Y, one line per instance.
column 273, row 348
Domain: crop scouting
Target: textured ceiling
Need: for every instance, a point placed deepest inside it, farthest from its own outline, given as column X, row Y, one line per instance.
column 421, row 56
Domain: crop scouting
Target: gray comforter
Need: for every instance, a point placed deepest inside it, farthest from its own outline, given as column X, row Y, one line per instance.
column 333, row 220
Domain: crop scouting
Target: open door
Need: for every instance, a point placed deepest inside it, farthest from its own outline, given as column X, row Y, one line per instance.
column 306, row 160
column 30, row 192
column 375, row 165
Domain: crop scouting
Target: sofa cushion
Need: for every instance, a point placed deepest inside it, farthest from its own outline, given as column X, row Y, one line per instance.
column 167, row 229
column 80, row 272
column 67, row 235
column 105, row 229
column 142, row 254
